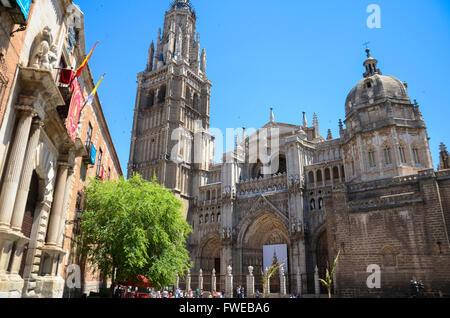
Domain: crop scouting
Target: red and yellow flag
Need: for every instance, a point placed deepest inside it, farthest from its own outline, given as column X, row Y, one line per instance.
column 83, row 65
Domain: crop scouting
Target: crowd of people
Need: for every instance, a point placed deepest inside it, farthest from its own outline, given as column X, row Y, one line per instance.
column 135, row 292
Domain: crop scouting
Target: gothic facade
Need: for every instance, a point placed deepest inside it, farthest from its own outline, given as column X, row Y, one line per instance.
column 371, row 193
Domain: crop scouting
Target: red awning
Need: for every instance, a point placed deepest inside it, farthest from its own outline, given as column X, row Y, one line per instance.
column 139, row 281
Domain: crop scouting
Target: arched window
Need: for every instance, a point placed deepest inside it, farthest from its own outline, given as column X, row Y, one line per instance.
column 313, row 204
column 206, row 218
column 327, row 174
column 257, row 170
column 208, row 195
column 196, row 102
column 162, row 94
column 320, row 204
column 387, row 156
column 200, row 219
column 151, row 99
column 311, row 177
column 218, row 217
column 371, row 157
column 212, row 218
column 416, row 157
column 282, row 164
column 401, row 151
column 335, row 173
column 188, row 96
column 319, row 176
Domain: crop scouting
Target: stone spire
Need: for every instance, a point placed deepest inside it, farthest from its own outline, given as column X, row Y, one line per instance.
column 444, row 158
column 305, row 122
column 316, row 124
column 341, row 128
column 203, row 61
column 151, row 54
column 272, row 116
column 371, row 65
column 330, row 136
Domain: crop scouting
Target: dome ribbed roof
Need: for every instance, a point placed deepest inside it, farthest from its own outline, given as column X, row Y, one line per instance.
column 374, row 89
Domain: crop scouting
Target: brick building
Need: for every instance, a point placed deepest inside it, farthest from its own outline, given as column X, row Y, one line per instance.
column 45, row 166
column 371, row 193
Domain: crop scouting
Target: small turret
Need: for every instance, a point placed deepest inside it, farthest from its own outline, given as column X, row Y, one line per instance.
column 305, row 122
column 316, row 125
column 203, row 62
column 330, row 136
column 272, row 116
column 371, row 65
column 150, row 59
column 444, row 158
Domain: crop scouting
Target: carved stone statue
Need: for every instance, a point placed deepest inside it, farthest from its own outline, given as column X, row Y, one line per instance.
column 229, row 270
column 45, row 52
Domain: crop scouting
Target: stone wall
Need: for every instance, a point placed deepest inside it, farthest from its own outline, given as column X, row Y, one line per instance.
column 401, row 236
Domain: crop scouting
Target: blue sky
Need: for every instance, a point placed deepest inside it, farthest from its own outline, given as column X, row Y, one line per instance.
column 291, row 55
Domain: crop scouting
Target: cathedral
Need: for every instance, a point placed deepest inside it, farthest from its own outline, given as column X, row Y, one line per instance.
column 370, row 195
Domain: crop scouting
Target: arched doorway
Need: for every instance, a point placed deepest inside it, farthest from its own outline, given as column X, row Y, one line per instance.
column 266, row 229
column 209, row 260
column 322, row 257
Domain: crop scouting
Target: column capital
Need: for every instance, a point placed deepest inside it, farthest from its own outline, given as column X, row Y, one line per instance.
column 27, row 110
column 37, row 123
column 64, row 164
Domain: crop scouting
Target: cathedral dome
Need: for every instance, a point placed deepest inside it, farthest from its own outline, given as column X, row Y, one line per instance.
column 374, row 89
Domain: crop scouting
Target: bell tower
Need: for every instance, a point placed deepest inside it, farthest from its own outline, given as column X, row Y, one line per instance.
column 173, row 107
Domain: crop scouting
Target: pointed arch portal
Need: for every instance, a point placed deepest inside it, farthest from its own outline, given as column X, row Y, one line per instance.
column 266, row 229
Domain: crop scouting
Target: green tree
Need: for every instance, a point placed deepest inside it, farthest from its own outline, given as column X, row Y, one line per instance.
column 135, row 227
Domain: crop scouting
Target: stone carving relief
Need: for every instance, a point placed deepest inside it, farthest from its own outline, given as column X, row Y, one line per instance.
column 44, row 54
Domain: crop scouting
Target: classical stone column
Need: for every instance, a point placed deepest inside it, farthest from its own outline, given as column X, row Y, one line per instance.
column 57, row 207
column 200, row 280
column 25, row 179
column 250, row 283
column 14, row 166
column 316, row 282
column 213, row 281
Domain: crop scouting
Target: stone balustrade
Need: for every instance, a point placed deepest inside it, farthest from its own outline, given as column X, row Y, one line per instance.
column 253, row 187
